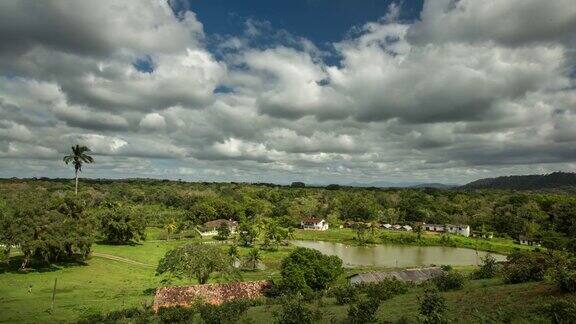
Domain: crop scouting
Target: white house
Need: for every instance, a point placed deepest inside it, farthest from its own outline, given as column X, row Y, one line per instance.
column 459, row 229
column 387, row 226
column 211, row 228
column 312, row 223
column 396, row 227
column 407, row 228
column 527, row 241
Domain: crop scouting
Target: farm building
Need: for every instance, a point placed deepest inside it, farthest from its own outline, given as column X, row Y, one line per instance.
column 211, row 228
column 312, row 223
column 524, row 240
column 408, row 275
column 460, row 229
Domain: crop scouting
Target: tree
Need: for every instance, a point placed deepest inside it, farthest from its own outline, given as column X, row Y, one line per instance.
column 253, row 258
column 307, row 268
column 418, row 229
column 363, row 311
column 119, row 224
column 77, row 158
column 47, row 228
column 294, row 310
column 433, row 307
column 488, row 269
column 246, row 234
column 170, row 227
column 223, row 232
column 194, row 260
column 233, row 253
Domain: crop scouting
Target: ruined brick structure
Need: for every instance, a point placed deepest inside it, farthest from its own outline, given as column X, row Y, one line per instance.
column 215, row 294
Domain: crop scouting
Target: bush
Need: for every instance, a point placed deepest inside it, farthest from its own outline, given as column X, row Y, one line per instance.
column 524, row 266
column 488, row 269
column 135, row 315
column 364, row 311
column 433, row 307
column 226, row 313
column 306, row 269
column 449, row 280
column 176, row 314
column 561, row 311
column 385, row 289
column 566, row 280
column 295, row 311
column 346, row 294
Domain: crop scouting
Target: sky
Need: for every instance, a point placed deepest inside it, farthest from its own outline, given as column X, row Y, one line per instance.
column 320, row 91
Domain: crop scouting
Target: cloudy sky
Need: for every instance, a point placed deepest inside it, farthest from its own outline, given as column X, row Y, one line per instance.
column 321, row 91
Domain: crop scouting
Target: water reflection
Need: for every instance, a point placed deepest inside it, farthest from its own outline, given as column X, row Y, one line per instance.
column 397, row 255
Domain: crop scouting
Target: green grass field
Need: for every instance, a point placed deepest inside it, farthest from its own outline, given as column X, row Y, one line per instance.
column 104, row 284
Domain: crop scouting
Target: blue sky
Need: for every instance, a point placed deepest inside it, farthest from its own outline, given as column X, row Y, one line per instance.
column 321, row 21
column 278, row 91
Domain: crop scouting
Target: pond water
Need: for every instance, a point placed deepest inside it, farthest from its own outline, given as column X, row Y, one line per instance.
column 398, row 255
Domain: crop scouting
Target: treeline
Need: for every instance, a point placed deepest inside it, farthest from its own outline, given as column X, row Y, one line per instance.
column 119, row 211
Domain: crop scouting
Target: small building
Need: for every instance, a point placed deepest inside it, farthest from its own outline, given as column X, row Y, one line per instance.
column 313, row 223
column 211, row 228
column 459, row 229
column 525, row 240
column 387, row 226
column 409, row 275
column 396, row 227
column 407, row 228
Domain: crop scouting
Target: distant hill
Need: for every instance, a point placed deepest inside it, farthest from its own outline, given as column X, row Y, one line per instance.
column 385, row 184
column 435, row 185
column 536, row 181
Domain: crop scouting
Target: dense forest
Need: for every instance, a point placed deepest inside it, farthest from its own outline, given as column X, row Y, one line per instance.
column 48, row 221
column 556, row 180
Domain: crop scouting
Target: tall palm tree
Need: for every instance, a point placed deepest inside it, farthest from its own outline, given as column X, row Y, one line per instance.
column 78, row 157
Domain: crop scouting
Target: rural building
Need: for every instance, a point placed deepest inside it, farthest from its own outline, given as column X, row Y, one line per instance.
column 460, row 229
column 387, row 226
column 214, row 294
column 407, row 228
column 312, row 223
column 524, row 240
column 409, row 275
column 211, row 228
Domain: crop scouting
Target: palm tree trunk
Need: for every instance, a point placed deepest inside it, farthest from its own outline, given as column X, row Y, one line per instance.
column 76, row 175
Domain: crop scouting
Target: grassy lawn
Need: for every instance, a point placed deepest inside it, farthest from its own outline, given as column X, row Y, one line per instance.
column 348, row 236
column 481, row 301
column 103, row 285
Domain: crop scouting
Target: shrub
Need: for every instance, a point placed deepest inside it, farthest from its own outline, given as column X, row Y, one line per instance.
column 295, row 311
column 176, row 314
column 385, row 289
column 449, row 280
column 226, row 313
column 433, row 307
column 566, row 280
column 524, row 266
column 346, row 294
column 306, row 269
column 134, row 314
column 488, row 269
column 364, row 311
column 561, row 311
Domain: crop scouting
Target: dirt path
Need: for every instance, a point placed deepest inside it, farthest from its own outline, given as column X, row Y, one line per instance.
column 121, row 259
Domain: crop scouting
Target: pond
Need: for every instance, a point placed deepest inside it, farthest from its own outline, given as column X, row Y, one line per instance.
column 398, row 255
